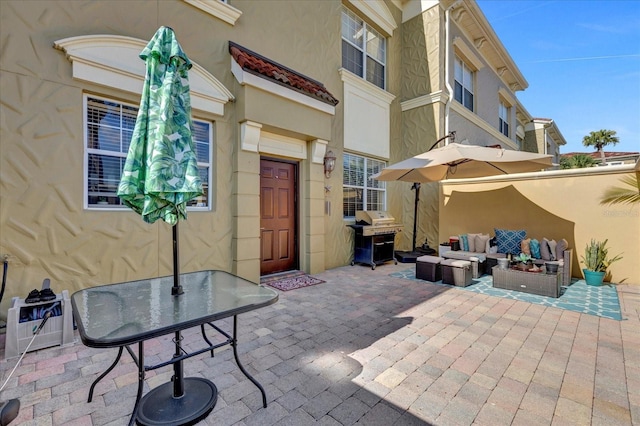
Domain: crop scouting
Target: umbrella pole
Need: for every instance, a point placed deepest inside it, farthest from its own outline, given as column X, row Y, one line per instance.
column 177, row 288
column 415, row 186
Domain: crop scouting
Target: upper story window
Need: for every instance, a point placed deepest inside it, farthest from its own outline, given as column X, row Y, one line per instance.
column 503, row 117
column 463, row 75
column 359, row 191
column 108, row 130
column 364, row 50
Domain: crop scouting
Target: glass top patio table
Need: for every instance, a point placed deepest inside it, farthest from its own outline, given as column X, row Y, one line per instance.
column 122, row 314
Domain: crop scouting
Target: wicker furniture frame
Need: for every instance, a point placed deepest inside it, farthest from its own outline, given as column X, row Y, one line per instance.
column 539, row 283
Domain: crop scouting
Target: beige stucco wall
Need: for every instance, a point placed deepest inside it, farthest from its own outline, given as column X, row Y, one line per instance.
column 555, row 205
column 44, row 227
column 422, row 76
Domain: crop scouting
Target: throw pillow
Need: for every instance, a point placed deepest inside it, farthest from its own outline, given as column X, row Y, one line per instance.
column 481, row 243
column 509, row 241
column 545, row 253
column 560, row 248
column 464, row 242
column 534, row 245
column 552, row 249
column 525, row 246
column 472, row 242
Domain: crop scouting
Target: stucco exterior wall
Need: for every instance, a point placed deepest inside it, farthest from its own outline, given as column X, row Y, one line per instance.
column 560, row 204
column 45, row 229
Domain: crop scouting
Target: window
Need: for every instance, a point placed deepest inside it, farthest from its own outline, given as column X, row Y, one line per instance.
column 503, row 116
column 108, row 130
column 463, row 84
column 364, row 50
column 359, row 191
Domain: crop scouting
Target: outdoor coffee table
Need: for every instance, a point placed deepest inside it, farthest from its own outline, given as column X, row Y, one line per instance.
column 539, row 283
column 120, row 315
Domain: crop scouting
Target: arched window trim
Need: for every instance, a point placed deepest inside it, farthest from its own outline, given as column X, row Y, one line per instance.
column 113, row 61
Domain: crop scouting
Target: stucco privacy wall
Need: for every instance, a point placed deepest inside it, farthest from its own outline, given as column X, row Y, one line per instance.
column 44, row 227
column 549, row 204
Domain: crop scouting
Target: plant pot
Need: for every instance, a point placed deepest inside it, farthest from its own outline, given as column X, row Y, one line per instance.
column 593, row 277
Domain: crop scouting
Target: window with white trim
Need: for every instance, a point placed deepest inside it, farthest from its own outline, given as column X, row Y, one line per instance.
column 503, row 118
column 364, row 50
column 463, row 90
column 108, row 130
column 360, row 192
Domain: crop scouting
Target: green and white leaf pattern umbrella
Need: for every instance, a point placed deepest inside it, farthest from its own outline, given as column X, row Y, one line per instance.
column 161, row 173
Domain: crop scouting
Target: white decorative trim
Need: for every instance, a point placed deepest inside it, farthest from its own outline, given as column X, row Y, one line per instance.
column 217, row 9
column 475, row 119
column 508, row 97
column 272, row 143
column 114, row 61
column 248, row 79
column 467, row 53
column 318, row 150
column 431, row 98
column 250, row 135
column 363, row 104
column 377, row 12
column 363, row 85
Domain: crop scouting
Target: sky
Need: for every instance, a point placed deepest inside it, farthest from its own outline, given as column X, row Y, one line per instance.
column 581, row 59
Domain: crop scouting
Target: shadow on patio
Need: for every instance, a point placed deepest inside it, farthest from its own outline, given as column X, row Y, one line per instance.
column 367, row 348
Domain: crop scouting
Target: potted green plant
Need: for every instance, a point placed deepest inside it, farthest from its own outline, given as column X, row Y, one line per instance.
column 597, row 261
column 523, row 261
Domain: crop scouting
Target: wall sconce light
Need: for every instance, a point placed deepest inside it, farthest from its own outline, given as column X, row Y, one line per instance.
column 329, row 163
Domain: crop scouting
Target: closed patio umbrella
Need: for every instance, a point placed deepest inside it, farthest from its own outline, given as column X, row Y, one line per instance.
column 159, row 178
column 458, row 161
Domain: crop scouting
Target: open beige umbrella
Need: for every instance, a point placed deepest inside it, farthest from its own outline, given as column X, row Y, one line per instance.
column 457, row 161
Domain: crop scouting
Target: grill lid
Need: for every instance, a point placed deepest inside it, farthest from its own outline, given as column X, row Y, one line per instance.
column 375, row 217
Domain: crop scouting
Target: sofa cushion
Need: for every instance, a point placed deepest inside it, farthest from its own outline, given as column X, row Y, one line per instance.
column 472, row 242
column 552, row 249
column 534, row 246
column 545, row 251
column 509, row 240
column 464, row 242
column 482, row 241
column 525, row 246
column 560, row 248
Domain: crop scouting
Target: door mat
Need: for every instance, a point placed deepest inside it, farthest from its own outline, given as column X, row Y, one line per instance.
column 289, row 280
column 600, row 301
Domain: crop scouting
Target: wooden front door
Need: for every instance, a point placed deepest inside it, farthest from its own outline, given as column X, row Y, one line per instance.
column 278, row 211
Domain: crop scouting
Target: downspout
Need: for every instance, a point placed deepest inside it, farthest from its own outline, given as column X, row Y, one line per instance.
column 447, row 65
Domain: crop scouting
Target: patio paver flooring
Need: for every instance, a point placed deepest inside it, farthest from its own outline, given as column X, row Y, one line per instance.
column 370, row 349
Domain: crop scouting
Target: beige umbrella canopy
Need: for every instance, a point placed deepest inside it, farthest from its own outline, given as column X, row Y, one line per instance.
column 456, row 161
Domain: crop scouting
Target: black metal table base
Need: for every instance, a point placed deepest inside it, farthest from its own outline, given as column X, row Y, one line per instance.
column 160, row 407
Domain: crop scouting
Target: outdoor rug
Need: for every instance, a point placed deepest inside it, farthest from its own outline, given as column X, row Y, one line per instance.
column 289, row 280
column 601, row 301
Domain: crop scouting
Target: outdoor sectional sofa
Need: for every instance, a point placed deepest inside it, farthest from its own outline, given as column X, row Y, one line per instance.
column 485, row 251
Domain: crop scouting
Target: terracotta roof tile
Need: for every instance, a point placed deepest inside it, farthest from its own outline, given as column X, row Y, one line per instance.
column 265, row 68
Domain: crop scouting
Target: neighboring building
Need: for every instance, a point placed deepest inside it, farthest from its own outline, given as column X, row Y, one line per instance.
column 543, row 136
column 611, row 158
column 275, row 86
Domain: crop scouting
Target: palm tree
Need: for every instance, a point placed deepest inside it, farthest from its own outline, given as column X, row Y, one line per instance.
column 577, row 161
column 599, row 139
column 623, row 195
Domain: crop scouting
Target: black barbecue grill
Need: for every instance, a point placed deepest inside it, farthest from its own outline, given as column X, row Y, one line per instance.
column 374, row 238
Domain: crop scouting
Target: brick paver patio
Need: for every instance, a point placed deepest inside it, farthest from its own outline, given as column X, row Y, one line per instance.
column 365, row 348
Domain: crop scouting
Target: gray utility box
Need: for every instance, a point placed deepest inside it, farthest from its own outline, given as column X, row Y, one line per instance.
column 24, row 318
